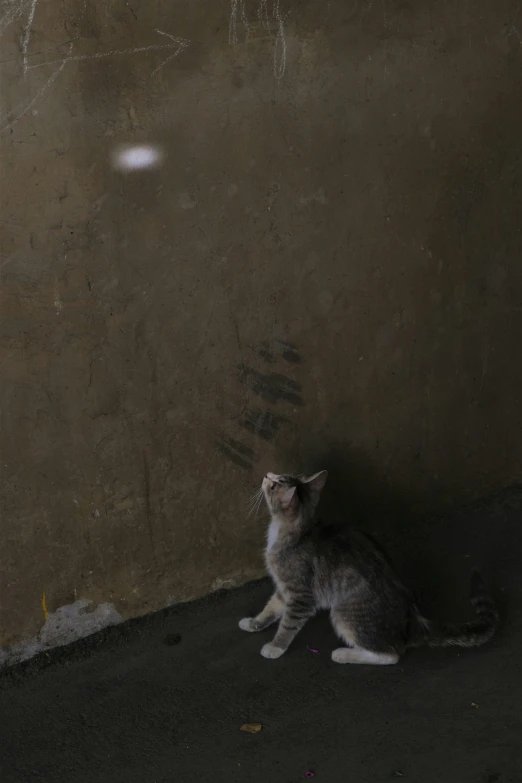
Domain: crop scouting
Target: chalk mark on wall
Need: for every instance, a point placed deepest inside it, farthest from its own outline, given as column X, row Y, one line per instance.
column 273, row 24
column 27, row 33
column 262, row 14
column 174, row 45
column 178, row 43
column 21, row 109
column 232, row 25
column 280, row 44
column 181, row 43
column 14, row 11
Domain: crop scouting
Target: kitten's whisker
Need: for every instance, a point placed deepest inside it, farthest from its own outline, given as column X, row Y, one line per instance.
column 257, row 504
column 251, row 512
column 254, row 502
column 253, row 498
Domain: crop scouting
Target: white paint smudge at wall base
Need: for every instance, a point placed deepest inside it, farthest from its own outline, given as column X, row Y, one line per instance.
column 223, row 584
column 68, row 624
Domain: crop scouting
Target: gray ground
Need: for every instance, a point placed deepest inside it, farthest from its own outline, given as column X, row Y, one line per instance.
column 132, row 705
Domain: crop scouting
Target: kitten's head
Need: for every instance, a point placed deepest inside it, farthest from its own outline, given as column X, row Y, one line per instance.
column 293, row 497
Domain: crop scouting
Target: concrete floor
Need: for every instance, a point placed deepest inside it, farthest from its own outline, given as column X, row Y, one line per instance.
column 129, row 705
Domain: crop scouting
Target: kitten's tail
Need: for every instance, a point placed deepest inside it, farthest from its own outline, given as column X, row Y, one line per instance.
column 472, row 634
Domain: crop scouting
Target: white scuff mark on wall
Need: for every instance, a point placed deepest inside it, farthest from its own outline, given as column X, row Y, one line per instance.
column 68, row 624
column 137, row 156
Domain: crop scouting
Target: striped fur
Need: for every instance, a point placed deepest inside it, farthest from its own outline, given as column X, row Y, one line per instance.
column 316, row 566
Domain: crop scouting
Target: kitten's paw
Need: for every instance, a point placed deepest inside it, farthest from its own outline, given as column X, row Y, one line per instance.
column 249, row 624
column 270, row 651
column 342, row 655
column 359, row 655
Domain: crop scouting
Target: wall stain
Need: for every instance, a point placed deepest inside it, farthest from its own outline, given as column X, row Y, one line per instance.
column 262, row 423
column 273, row 388
column 237, row 452
column 281, row 349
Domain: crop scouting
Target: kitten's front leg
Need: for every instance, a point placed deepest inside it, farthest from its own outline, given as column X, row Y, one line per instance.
column 270, row 614
column 295, row 615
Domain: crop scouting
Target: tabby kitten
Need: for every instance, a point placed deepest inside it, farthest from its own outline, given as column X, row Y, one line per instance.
column 318, row 567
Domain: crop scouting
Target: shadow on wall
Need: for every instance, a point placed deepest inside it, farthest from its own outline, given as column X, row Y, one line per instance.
column 434, row 554
column 356, row 491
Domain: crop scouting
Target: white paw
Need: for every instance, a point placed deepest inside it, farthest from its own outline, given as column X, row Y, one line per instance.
column 342, row 655
column 248, row 624
column 269, row 651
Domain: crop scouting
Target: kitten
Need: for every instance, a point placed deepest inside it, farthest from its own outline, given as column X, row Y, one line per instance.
column 318, row 567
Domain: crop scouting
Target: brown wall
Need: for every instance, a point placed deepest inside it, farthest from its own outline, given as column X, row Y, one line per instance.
column 325, row 270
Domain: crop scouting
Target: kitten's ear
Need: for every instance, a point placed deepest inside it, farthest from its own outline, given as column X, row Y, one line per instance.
column 287, row 496
column 317, row 481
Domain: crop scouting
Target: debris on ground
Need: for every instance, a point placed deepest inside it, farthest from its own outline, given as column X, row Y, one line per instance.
column 315, row 652
column 172, row 639
column 309, row 774
column 474, row 705
column 251, row 728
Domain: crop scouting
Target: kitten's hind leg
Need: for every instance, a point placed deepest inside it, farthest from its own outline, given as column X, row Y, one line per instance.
column 343, row 627
column 353, row 653
column 360, row 655
column 268, row 616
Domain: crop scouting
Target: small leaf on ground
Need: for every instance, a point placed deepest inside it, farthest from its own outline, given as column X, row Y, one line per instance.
column 251, row 728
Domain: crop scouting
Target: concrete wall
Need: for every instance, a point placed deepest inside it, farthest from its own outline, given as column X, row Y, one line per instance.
column 323, row 270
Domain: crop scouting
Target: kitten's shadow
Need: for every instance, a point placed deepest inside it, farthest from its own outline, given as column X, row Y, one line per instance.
column 434, row 552
column 355, row 492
